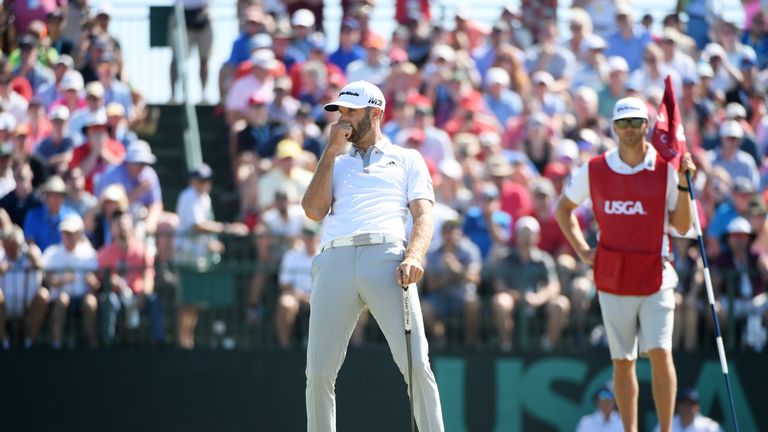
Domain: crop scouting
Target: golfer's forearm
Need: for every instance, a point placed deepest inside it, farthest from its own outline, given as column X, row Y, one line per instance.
column 319, row 196
column 421, row 236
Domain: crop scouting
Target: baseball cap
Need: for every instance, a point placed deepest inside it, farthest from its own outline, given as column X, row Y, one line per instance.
column 264, row 59
column 358, row 94
column 202, row 172
column 688, row 395
column 350, row 24
column 94, row 88
column 739, row 225
column 735, row 110
column 259, row 41
column 713, row 50
column 288, row 148
column 59, row 112
column 102, row 9
column 616, row 63
column 630, row 107
column 496, row 75
column 28, row 41
column 527, row 222
column 99, row 118
column 489, row 191
column 72, row 80
column 451, row 169
column 65, row 60
column 743, row 185
column 623, row 8
column 595, row 42
column 498, row 166
column 731, row 129
column 303, row 18
column 72, row 223
column 444, row 52
column 567, row 150
column 115, row 109
column 705, row 70
column 54, row 184
column 605, row 392
column 543, row 77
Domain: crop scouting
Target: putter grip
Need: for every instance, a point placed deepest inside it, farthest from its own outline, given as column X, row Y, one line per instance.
column 407, row 309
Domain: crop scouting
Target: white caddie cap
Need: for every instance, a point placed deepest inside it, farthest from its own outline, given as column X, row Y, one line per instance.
column 731, row 129
column 527, row 222
column 358, row 94
column 630, row 107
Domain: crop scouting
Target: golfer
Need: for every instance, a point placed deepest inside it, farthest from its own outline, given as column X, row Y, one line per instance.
column 635, row 197
column 364, row 194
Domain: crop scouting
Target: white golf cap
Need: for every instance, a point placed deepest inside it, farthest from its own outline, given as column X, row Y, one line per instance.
column 739, row 225
column 735, row 110
column 451, row 169
column 7, row 122
column 445, row 52
column 713, row 50
column 543, row 77
column 496, row 75
column 72, row 80
column 616, row 63
column 72, row 223
column 140, row 152
column 303, row 18
column 264, row 59
column 527, row 222
column 358, row 94
column 59, row 112
column 595, row 42
column 731, row 129
column 630, row 107
column 705, row 70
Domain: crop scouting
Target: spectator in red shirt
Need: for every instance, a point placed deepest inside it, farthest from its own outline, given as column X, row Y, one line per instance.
column 515, row 198
column 99, row 151
column 128, row 270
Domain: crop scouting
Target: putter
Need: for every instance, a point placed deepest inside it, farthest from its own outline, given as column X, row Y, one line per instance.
column 407, row 322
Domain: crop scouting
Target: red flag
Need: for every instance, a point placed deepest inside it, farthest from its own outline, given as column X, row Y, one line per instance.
column 668, row 134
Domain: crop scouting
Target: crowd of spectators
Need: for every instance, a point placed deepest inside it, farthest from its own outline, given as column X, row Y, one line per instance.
column 502, row 113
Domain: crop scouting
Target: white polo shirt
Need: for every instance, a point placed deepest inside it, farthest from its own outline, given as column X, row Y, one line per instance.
column 82, row 259
column 371, row 192
column 577, row 189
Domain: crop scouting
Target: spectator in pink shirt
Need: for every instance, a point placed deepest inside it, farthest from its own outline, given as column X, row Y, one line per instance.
column 259, row 82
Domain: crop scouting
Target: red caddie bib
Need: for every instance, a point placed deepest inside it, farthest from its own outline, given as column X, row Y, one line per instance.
column 630, row 212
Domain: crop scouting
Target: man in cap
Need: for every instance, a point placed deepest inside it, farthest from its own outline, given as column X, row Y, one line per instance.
column 673, row 56
column 633, row 186
column 604, row 418
column 258, row 83
column 629, row 40
column 30, row 67
column 114, row 89
column 140, row 181
column 525, row 277
column 286, row 175
column 689, row 417
column 51, row 92
column 437, row 143
column 364, row 259
column 195, row 243
column 500, row 99
column 255, row 23
column 592, row 68
column 303, row 23
column 81, row 117
column 374, row 66
column 21, row 292
column 349, row 45
column 56, row 149
column 742, row 193
column 730, row 156
column 69, row 271
column 99, row 152
column 41, row 225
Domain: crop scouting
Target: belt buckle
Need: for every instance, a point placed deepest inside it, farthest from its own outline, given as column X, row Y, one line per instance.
column 362, row 239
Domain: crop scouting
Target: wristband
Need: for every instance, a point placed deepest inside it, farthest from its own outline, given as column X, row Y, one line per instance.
column 683, row 189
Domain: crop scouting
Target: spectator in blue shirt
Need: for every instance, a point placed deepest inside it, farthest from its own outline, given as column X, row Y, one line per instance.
column 56, row 150
column 140, row 181
column 349, row 45
column 503, row 102
column 41, row 225
column 757, row 38
column 241, row 47
column 114, row 90
column 629, row 41
column 487, row 225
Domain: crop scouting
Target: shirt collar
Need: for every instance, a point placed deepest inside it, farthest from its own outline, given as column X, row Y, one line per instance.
column 649, row 161
column 382, row 146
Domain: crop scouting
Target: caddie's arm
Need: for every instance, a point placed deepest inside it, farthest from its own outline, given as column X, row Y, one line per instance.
column 318, row 198
column 572, row 231
column 410, row 270
column 682, row 217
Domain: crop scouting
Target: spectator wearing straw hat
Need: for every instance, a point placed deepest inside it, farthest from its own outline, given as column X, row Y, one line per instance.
column 22, row 297
column 56, row 149
column 41, row 224
column 140, row 181
column 69, row 272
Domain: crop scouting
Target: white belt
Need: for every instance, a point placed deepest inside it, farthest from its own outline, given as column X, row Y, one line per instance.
column 365, row 239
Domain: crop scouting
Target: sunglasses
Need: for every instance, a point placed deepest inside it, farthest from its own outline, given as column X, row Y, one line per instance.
column 634, row 122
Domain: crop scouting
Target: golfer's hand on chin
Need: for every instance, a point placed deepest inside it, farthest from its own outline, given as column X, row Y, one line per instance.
column 409, row 271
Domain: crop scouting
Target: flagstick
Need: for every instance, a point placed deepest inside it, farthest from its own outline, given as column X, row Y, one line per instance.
column 711, row 297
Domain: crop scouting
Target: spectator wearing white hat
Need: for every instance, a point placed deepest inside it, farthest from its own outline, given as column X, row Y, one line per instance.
column 503, row 102
column 41, row 224
column 70, row 91
column 99, row 152
column 550, row 57
column 84, row 114
column 652, row 72
column 545, row 94
column 737, row 112
column 592, row 67
column 673, row 57
column 102, row 16
column 140, row 181
column 50, row 92
column 56, row 149
column 731, row 157
column 725, row 73
column 259, row 83
column 615, row 88
column 303, row 23
column 69, row 272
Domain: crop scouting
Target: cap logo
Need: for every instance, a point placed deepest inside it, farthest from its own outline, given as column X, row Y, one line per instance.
column 351, row 93
column 624, row 108
column 374, row 101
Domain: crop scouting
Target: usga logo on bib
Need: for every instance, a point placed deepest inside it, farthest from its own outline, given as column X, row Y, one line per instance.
column 624, row 208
